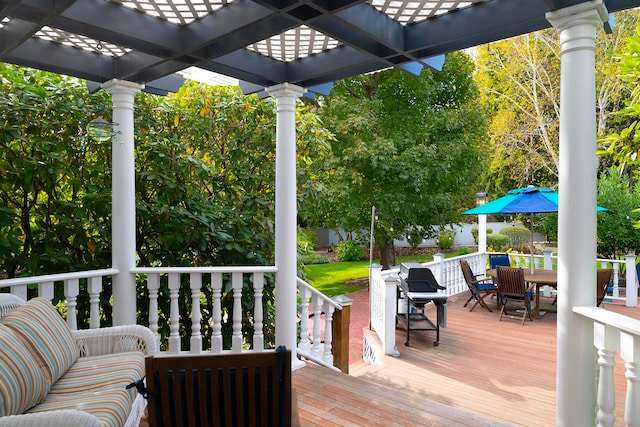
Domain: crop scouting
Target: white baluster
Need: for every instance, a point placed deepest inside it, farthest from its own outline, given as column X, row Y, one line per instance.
column 607, row 340
column 95, row 288
column 258, row 314
column 21, row 291
column 71, row 291
column 174, row 313
column 153, row 285
column 616, row 278
column 45, row 290
column 328, row 333
column 630, row 353
column 195, row 284
column 216, row 313
column 305, row 344
column 236, row 337
column 317, row 320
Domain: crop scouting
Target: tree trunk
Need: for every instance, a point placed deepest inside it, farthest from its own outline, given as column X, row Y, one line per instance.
column 387, row 255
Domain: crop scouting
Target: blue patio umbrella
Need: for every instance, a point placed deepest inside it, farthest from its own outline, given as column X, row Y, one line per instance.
column 528, row 200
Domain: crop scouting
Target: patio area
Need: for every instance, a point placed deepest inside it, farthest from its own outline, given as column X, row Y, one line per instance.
column 485, row 372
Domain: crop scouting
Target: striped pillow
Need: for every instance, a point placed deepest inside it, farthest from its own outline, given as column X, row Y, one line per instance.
column 41, row 325
column 23, row 381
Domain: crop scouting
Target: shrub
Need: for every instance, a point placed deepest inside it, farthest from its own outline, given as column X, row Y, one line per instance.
column 518, row 237
column 349, row 250
column 307, row 240
column 446, row 238
column 415, row 236
column 498, row 242
column 464, row 251
column 313, row 259
column 475, row 232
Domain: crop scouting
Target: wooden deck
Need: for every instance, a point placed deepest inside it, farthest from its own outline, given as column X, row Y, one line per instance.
column 485, row 372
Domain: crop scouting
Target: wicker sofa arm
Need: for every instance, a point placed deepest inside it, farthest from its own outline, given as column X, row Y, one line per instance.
column 116, row 339
column 62, row 418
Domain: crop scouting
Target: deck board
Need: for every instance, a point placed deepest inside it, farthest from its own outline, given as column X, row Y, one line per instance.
column 484, row 372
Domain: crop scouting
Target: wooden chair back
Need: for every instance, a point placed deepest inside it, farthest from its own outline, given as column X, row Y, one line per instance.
column 512, row 283
column 468, row 275
column 246, row 389
column 603, row 280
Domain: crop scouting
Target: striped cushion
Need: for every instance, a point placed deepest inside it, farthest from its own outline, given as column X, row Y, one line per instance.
column 101, row 373
column 111, row 407
column 23, row 381
column 40, row 323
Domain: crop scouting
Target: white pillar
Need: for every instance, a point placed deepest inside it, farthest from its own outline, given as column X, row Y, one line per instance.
column 286, row 216
column 575, row 387
column 482, row 234
column 123, row 201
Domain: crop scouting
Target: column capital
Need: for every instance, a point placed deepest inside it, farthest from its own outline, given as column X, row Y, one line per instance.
column 286, row 89
column 594, row 11
column 114, row 86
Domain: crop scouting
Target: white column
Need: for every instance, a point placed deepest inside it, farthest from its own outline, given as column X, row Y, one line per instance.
column 123, row 201
column 482, row 234
column 286, row 216
column 575, row 387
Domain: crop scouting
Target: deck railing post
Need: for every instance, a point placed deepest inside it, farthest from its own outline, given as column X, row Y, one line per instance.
column 632, row 281
column 439, row 259
column 340, row 332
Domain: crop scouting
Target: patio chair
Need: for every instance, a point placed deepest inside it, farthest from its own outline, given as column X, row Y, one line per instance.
column 499, row 259
column 479, row 288
column 603, row 281
column 513, row 288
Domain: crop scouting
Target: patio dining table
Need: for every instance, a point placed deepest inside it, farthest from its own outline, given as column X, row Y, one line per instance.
column 539, row 277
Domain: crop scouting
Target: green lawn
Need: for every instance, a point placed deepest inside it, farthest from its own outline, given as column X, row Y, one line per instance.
column 329, row 278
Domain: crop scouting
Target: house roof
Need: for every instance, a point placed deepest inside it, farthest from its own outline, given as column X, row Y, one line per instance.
column 262, row 42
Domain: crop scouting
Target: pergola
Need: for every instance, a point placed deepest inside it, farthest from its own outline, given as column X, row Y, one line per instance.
column 284, row 48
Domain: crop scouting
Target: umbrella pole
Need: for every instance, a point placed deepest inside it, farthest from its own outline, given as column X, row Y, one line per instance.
column 531, row 241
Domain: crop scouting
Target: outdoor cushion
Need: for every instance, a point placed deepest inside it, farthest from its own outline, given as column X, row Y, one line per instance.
column 24, row 377
column 484, row 286
column 111, row 407
column 101, row 373
column 38, row 321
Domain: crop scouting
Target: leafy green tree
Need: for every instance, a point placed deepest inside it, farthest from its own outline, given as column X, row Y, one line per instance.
column 407, row 145
column 54, row 187
column 623, row 143
column 205, row 161
column 520, row 83
column 616, row 232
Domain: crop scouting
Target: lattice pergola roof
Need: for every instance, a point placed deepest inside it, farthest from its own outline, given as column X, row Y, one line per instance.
column 264, row 42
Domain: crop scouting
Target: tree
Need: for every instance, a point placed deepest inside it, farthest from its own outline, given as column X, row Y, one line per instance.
column 520, row 82
column 204, row 191
column 623, row 143
column 616, row 232
column 407, row 145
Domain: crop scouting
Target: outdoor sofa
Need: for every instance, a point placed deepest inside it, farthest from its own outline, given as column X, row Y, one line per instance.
column 51, row 375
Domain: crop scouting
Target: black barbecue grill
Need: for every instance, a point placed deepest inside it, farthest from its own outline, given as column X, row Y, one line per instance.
column 419, row 287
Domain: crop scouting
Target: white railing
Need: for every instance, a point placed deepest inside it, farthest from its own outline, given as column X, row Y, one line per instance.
column 70, row 283
column 316, row 338
column 220, row 282
column 612, row 333
column 315, row 335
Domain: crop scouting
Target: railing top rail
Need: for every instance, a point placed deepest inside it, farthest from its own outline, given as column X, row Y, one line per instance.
column 219, row 269
column 314, row 291
column 613, row 261
column 617, row 320
column 57, row 277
